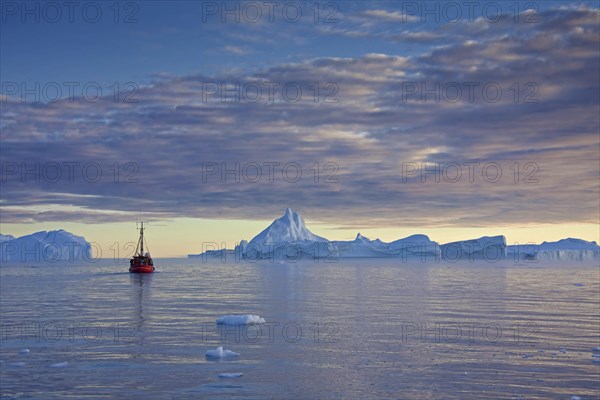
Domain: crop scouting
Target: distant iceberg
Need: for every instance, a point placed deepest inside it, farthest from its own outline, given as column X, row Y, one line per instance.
column 45, row 246
column 288, row 239
column 415, row 246
column 488, row 248
column 569, row 250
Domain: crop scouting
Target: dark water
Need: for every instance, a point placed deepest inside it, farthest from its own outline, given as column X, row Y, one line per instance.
column 351, row 330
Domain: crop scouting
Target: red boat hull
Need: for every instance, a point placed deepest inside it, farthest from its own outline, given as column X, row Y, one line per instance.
column 141, row 269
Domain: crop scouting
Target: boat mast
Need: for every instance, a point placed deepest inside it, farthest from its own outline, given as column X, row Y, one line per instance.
column 142, row 239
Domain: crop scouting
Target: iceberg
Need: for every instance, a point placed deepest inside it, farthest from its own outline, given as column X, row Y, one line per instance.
column 247, row 319
column 220, row 353
column 289, row 228
column 411, row 246
column 45, row 246
column 569, row 244
column 569, row 250
column 288, row 239
column 489, row 248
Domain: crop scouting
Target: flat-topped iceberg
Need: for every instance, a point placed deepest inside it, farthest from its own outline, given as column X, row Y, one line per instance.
column 490, row 248
column 247, row 319
column 413, row 246
column 569, row 250
column 569, row 244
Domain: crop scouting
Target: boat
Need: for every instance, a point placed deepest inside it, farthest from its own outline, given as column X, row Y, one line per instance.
column 141, row 263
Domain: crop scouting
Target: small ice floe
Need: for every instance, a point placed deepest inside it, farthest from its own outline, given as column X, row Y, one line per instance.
column 60, row 365
column 220, row 353
column 230, row 374
column 247, row 319
column 578, row 284
column 24, row 351
column 563, row 350
column 575, row 398
column 17, row 364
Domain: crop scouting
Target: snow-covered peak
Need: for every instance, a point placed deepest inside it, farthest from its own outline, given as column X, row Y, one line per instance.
column 288, row 228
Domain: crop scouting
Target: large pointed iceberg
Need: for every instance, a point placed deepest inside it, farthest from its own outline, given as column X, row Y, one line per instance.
column 287, row 237
column 289, row 228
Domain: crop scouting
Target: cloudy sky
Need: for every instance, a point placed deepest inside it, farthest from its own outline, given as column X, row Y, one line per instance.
column 454, row 119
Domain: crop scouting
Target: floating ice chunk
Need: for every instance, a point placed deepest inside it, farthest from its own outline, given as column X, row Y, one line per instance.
column 230, row 374
column 563, row 350
column 575, row 398
column 24, row 351
column 247, row 319
column 60, row 365
column 220, row 353
column 18, row 364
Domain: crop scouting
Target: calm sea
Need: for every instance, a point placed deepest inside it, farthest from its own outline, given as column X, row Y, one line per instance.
column 356, row 329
